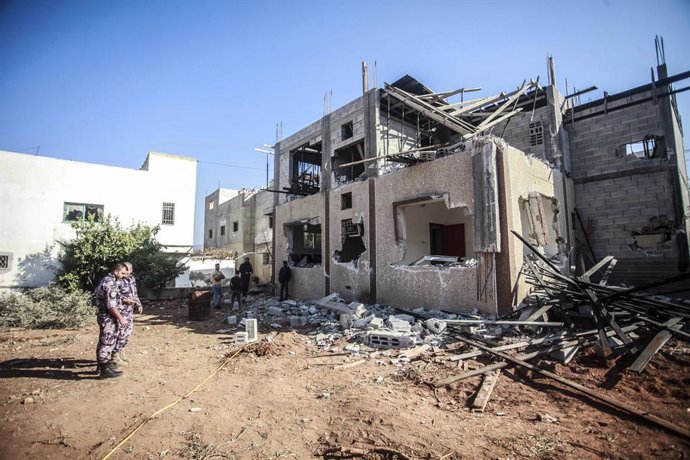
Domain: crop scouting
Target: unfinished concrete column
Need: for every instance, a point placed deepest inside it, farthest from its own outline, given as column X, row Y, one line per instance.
column 371, row 108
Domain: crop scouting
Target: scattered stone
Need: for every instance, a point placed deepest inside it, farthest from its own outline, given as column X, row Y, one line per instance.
column 275, row 311
column 28, row 400
column 546, row 418
column 195, row 409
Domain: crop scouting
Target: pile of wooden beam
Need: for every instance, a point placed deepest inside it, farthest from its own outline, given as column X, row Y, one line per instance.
column 571, row 313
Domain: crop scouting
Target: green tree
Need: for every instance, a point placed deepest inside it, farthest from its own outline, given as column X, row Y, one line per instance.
column 100, row 245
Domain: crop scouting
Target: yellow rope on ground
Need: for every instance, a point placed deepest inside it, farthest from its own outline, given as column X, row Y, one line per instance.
column 160, row 411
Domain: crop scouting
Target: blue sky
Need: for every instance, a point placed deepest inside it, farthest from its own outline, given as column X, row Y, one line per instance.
column 108, row 81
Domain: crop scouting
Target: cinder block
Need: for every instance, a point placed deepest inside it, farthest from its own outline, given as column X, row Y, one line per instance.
column 240, row 337
column 252, row 329
column 382, row 339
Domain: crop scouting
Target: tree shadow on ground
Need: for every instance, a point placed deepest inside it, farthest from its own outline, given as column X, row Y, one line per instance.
column 49, row 368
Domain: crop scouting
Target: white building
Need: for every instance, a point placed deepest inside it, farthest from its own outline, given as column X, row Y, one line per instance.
column 41, row 196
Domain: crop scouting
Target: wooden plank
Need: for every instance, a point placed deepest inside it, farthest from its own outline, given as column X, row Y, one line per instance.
column 655, row 345
column 468, row 322
column 410, row 354
column 591, row 393
column 598, row 266
column 484, row 394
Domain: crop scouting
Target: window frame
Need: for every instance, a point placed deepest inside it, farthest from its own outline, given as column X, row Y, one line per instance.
column 171, row 210
column 100, row 211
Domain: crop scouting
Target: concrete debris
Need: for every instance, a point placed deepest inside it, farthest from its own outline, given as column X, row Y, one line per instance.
column 275, row 311
column 231, row 320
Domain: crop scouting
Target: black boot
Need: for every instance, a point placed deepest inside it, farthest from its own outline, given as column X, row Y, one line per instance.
column 108, row 370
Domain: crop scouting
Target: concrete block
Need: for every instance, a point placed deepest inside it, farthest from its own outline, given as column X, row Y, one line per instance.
column 240, row 337
column 376, row 323
column 409, row 318
column 346, row 320
column 313, row 310
column 436, row 326
column 292, row 303
column 384, row 339
column 231, row 320
column 565, row 355
column 251, row 327
column 296, row 321
column 275, row 311
column 358, row 309
column 399, row 325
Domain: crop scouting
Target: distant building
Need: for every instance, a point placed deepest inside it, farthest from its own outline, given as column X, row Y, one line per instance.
column 40, row 197
column 241, row 222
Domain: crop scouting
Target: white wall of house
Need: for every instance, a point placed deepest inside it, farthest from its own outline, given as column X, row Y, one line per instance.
column 34, row 190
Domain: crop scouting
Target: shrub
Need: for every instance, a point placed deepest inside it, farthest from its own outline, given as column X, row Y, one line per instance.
column 100, row 245
column 46, row 308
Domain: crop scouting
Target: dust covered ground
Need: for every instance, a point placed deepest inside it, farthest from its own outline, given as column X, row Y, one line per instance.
column 288, row 399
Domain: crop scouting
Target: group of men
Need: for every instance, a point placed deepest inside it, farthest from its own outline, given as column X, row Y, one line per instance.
column 116, row 299
column 239, row 284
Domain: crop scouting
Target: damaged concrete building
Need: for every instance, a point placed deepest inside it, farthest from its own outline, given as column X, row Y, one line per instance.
column 408, row 197
column 241, row 222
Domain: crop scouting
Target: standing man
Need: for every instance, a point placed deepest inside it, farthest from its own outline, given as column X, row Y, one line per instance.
column 284, row 276
column 246, row 271
column 130, row 301
column 236, row 287
column 217, row 278
column 110, row 320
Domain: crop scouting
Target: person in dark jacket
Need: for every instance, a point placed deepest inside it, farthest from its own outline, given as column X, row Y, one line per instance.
column 284, row 276
column 236, row 288
column 246, row 271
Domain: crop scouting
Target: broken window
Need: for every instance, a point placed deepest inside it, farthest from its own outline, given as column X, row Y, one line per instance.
column 427, row 227
column 352, row 243
column 305, row 171
column 650, row 146
column 346, row 156
column 536, row 134
column 5, row 260
column 211, row 205
column 305, row 244
column 346, row 131
column 222, row 230
column 235, row 226
column 346, row 200
column 73, row 212
column 168, row 214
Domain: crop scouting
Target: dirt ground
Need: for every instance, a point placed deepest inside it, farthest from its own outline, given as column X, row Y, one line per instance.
column 288, row 399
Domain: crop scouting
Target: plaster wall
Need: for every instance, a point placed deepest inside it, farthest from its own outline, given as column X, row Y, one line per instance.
column 306, row 283
column 452, row 289
column 524, row 175
column 350, row 279
column 33, row 190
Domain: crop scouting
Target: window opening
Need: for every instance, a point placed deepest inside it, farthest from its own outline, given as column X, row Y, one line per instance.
column 210, row 234
column 211, row 205
column 352, row 242
column 433, row 234
column 304, row 244
column 536, row 134
column 650, row 146
column 235, row 226
column 270, row 221
column 346, row 131
column 266, row 258
column 346, row 200
column 222, row 230
column 346, row 156
column 168, row 214
column 73, row 212
column 4, row 262
column 305, row 173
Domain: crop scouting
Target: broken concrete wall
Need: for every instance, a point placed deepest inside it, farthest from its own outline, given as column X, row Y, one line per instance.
column 307, row 282
column 311, row 135
column 522, row 177
column 619, row 195
column 452, row 289
column 350, row 279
